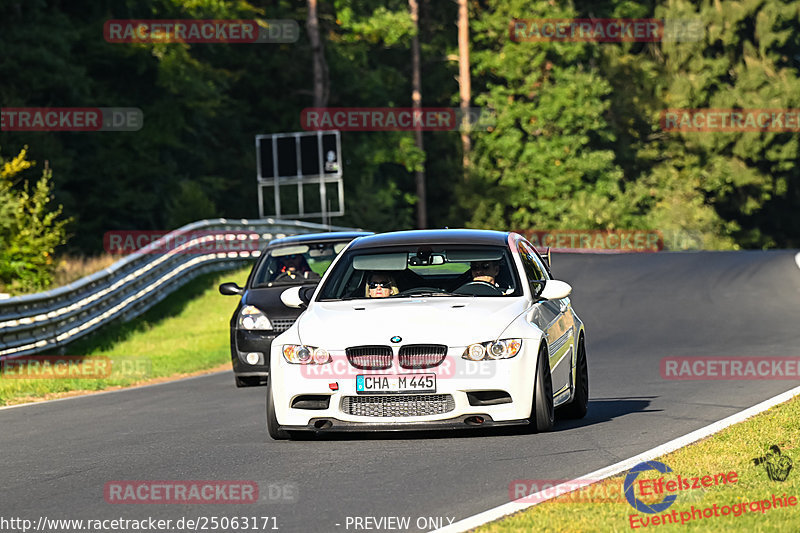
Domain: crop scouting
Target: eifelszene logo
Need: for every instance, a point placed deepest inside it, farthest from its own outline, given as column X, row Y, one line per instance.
column 638, row 504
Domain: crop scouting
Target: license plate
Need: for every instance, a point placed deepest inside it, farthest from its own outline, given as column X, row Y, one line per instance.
column 396, row 383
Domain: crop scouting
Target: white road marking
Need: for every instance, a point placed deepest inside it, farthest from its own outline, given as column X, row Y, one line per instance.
column 496, row 513
column 518, row 505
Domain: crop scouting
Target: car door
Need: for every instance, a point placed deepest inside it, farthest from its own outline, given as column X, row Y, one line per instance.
column 552, row 317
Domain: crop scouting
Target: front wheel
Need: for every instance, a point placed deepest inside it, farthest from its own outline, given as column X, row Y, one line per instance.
column 579, row 404
column 273, row 428
column 542, row 413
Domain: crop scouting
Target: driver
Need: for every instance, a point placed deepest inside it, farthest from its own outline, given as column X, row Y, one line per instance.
column 381, row 285
column 295, row 266
column 485, row 271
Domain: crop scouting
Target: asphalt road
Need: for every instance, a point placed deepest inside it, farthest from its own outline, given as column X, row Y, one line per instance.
column 638, row 308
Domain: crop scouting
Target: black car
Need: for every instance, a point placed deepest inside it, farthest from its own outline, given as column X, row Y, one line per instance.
column 260, row 315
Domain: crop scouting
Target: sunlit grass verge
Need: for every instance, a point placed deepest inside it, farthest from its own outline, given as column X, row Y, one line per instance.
column 184, row 334
column 602, row 507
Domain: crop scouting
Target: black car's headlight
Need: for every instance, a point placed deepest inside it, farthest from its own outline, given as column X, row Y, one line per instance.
column 500, row 349
column 298, row 354
column 251, row 317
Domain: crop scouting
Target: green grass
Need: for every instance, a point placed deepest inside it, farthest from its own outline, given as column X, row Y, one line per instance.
column 186, row 333
column 733, row 449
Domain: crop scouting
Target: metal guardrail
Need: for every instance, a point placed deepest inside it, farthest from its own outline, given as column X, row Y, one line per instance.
column 33, row 323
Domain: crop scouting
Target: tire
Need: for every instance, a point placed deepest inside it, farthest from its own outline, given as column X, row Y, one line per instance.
column 273, row 428
column 542, row 413
column 579, row 404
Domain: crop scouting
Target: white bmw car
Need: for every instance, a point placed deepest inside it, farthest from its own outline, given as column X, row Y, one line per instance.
column 429, row 329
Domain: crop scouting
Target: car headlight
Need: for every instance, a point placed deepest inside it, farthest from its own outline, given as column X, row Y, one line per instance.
column 251, row 317
column 298, row 354
column 501, row 349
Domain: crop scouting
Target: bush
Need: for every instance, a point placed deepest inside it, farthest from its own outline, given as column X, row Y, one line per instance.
column 29, row 230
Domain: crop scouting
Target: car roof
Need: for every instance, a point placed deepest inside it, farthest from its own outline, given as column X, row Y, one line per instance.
column 318, row 237
column 433, row 236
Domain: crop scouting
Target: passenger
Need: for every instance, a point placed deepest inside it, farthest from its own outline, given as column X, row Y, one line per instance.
column 381, row 285
column 485, row 271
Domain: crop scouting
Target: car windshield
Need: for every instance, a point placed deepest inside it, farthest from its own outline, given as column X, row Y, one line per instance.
column 414, row 271
column 296, row 263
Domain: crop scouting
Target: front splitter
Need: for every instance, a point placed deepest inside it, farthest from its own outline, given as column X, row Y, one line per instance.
column 334, row 425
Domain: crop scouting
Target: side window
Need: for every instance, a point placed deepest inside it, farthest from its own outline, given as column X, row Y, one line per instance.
column 534, row 271
column 540, row 265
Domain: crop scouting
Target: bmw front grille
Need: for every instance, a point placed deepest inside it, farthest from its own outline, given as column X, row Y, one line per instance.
column 370, row 357
column 386, row 406
column 422, row 355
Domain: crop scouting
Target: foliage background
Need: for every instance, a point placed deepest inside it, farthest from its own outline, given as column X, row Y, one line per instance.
column 30, row 230
column 577, row 144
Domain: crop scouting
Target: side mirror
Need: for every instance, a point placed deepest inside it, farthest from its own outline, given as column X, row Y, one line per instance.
column 230, row 289
column 306, row 293
column 555, row 290
column 297, row 297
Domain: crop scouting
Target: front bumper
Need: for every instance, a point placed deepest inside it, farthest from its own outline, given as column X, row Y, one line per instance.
column 457, row 382
column 244, row 342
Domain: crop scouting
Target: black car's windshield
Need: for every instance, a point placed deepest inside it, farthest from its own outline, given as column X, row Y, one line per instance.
column 429, row 271
column 296, row 263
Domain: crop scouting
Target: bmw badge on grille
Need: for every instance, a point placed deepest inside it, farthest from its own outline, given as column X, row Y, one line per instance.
column 396, row 339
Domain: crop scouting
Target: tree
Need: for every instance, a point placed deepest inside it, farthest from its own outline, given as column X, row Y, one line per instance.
column 464, row 85
column 746, row 185
column 549, row 162
column 29, row 230
column 416, row 103
column 321, row 80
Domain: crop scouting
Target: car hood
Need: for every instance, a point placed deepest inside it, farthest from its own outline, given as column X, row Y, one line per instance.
column 437, row 320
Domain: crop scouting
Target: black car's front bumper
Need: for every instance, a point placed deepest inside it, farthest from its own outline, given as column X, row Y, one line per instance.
column 244, row 342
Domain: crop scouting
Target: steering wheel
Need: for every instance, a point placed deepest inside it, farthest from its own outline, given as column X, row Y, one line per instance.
column 478, row 288
column 283, row 276
column 420, row 289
